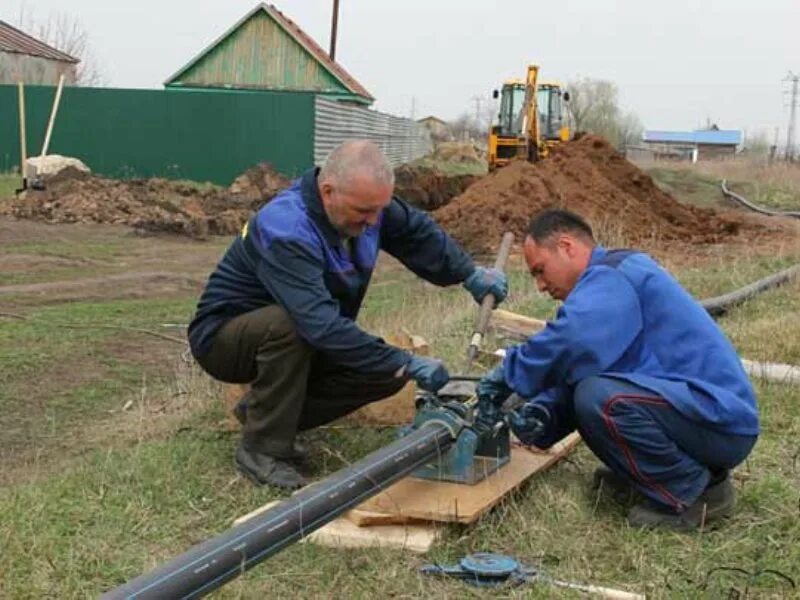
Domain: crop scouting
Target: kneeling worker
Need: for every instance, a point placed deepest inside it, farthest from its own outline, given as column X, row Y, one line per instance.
column 279, row 310
column 638, row 367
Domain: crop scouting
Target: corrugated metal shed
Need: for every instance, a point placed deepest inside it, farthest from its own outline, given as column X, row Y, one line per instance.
column 19, row 42
column 724, row 137
column 267, row 50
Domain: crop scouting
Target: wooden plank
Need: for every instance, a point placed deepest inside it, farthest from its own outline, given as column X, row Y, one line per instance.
column 344, row 533
column 452, row 502
column 516, row 325
column 368, row 518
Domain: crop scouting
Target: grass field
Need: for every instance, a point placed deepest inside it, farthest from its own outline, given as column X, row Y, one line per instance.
column 8, row 183
column 775, row 186
column 114, row 456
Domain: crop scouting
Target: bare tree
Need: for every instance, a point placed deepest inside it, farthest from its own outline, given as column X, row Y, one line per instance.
column 594, row 107
column 757, row 143
column 66, row 33
column 629, row 130
column 466, row 127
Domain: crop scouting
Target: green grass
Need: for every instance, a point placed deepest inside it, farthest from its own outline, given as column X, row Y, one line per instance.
column 688, row 186
column 111, row 493
column 66, row 369
column 9, row 182
column 776, row 187
column 767, row 195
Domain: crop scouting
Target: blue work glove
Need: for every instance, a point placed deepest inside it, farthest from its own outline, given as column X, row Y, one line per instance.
column 487, row 281
column 429, row 373
column 529, row 422
column 492, row 391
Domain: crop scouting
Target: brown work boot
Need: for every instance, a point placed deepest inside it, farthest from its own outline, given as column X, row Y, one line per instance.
column 263, row 469
column 715, row 503
column 620, row 488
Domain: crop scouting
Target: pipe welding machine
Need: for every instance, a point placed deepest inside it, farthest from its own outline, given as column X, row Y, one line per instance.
column 478, row 449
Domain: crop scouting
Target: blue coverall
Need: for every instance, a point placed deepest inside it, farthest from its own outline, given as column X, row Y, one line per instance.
column 636, row 365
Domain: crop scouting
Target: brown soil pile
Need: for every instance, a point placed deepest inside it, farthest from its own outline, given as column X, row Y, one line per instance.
column 458, row 152
column 161, row 205
column 589, row 177
column 429, row 189
column 149, row 204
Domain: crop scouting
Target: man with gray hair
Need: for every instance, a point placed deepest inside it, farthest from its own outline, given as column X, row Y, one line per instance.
column 279, row 311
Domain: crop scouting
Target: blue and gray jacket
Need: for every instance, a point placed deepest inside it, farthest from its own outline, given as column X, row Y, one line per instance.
column 630, row 319
column 290, row 254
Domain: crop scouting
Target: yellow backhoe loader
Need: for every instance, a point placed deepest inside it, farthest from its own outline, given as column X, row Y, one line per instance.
column 530, row 122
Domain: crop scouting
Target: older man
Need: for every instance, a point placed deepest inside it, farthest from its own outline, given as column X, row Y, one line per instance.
column 636, row 365
column 279, row 310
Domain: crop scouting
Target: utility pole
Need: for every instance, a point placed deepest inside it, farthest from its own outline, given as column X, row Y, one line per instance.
column 478, row 104
column 334, row 27
column 794, row 79
column 773, row 150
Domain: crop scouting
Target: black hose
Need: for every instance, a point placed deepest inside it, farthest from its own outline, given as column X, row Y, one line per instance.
column 764, row 211
column 720, row 304
column 214, row 562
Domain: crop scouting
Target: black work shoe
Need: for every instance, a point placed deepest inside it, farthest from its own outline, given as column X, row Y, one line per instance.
column 716, row 502
column 299, row 452
column 240, row 412
column 622, row 490
column 263, row 469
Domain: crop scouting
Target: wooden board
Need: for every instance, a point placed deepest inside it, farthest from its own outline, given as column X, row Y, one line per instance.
column 344, row 533
column 517, row 326
column 458, row 503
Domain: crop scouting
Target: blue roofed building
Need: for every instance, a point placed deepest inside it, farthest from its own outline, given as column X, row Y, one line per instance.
column 700, row 144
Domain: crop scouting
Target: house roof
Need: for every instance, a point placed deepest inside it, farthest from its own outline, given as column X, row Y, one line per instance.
column 725, row 137
column 300, row 36
column 19, row 42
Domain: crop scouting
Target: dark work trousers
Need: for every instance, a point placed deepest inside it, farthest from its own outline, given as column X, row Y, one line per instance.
column 292, row 387
column 638, row 434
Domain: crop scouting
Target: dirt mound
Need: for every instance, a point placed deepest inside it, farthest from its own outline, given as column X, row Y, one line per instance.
column 161, row 205
column 459, row 152
column 149, row 204
column 427, row 188
column 257, row 184
column 586, row 176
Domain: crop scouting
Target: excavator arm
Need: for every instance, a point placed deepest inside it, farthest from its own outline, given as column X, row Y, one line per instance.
column 531, row 125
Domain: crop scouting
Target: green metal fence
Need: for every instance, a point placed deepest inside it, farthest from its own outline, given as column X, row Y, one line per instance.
column 199, row 135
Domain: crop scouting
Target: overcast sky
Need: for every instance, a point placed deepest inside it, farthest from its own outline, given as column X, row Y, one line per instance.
column 677, row 63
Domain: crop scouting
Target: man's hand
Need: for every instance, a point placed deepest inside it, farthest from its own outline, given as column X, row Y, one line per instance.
column 487, row 281
column 529, row 422
column 492, row 391
column 429, row 373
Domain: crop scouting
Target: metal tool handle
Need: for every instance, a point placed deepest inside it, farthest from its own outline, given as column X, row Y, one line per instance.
column 487, row 305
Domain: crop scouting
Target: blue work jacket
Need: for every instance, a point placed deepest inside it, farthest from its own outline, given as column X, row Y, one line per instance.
column 290, row 254
column 628, row 318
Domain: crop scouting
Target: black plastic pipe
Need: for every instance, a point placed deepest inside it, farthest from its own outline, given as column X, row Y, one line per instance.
column 720, row 304
column 214, row 562
column 760, row 209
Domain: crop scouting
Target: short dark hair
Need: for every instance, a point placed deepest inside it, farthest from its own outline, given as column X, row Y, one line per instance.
column 552, row 221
